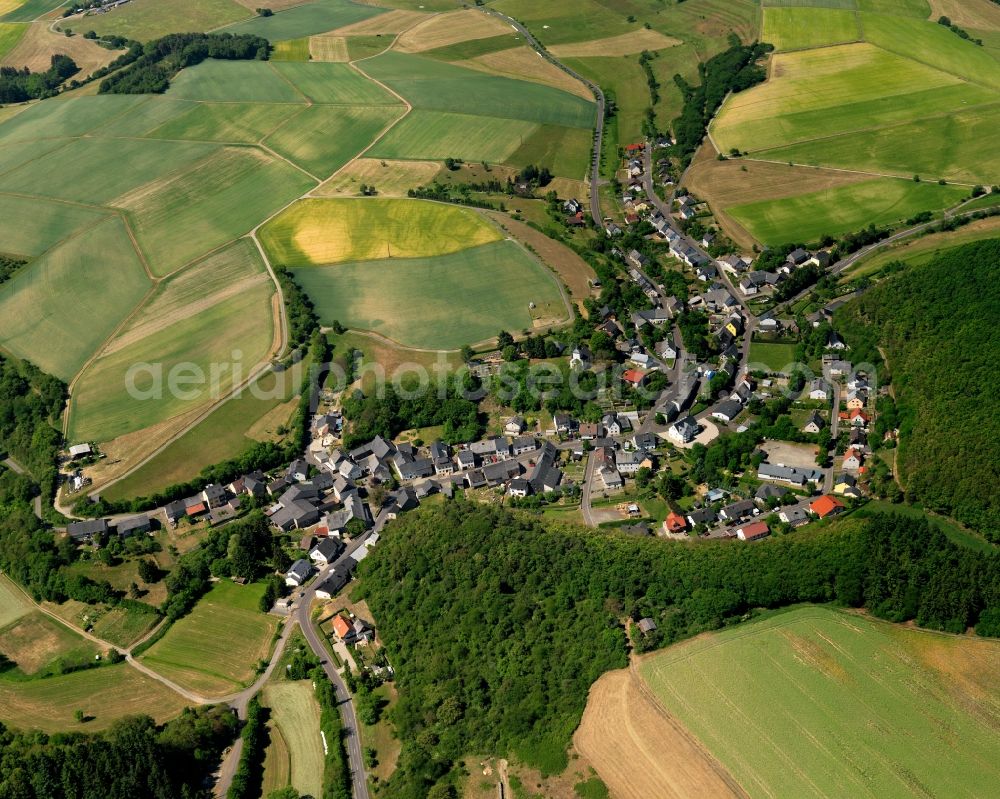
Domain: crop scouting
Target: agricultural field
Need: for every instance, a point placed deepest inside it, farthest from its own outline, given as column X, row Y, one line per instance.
column 215, row 648
column 229, row 122
column 320, row 232
column 328, row 48
column 307, row 19
column 150, row 19
column 28, row 10
column 565, row 151
column 38, row 44
column 104, row 695
column 523, row 63
column 40, row 646
column 836, row 704
column 391, row 178
column 442, row 30
column 234, row 81
column 13, row 602
column 802, row 28
column 339, row 84
column 10, row 35
column 291, row 50
column 438, row 302
column 295, row 713
column 808, row 217
column 29, row 227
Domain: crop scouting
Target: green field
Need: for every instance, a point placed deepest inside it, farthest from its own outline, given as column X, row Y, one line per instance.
column 10, row 35
column 775, row 356
column 836, row 704
column 215, row 648
column 438, row 86
column 565, row 151
column 846, row 4
column 435, row 135
column 318, row 232
column 306, row 20
column 29, row 227
column 808, row 217
column 104, row 695
column 560, row 21
column 215, row 201
column 801, row 28
column 232, row 123
column 30, row 10
column 233, row 81
column 13, row 602
column 326, row 82
column 323, row 138
column 441, row 302
column 291, row 50
column 295, row 711
column 67, row 117
column 150, row 19
column 65, row 297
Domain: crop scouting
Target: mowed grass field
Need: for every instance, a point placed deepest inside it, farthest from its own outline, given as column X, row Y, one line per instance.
column 149, row 19
column 320, row 231
column 35, row 642
column 214, row 650
column 295, row 711
column 774, row 355
column 807, row 217
column 438, row 302
column 10, row 35
column 801, row 28
column 836, row 704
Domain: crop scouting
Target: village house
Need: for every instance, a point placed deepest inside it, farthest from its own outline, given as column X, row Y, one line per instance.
column 826, row 506
column 674, row 524
column 814, row 423
column 85, row 531
column 326, row 551
column 853, row 460
column 819, row 389
column 683, row 431
column 298, row 573
column 133, row 526
column 789, row 474
column 795, row 516
column 752, row 532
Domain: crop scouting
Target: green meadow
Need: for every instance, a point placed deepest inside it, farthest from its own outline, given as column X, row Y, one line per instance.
column 243, row 123
column 10, row 35
column 234, row 81
column 802, row 28
column 31, row 10
column 29, row 226
column 327, row 82
column 150, row 19
column 436, row 135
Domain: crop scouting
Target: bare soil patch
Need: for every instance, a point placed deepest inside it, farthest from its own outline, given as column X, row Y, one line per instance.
column 640, row 750
column 624, row 44
column 790, row 454
column 451, row 27
column 524, row 63
column 39, row 44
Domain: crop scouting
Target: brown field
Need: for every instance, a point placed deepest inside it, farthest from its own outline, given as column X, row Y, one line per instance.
column 383, row 356
column 451, row 27
column 39, row 44
column 726, row 183
column 395, row 21
column 328, row 48
column 977, row 14
column 34, row 641
column 572, row 270
column 525, row 64
column 639, row 750
column 625, row 44
column 390, row 178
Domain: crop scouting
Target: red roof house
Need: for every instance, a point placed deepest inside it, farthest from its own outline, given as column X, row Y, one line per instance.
column 826, row 506
column 341, row 626
column 634, row 376
column 675, row 523
column 751, row 532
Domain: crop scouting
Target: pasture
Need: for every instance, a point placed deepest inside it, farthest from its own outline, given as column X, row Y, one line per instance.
column 560, row 21
column 307, row 19
column 39, row 43
column 837, row 704
column 317, row 232
column 565, row 151
column 438, row 302
column 233, row 81
column 438, row 86
column 436, row 135
column 10, row 35
column 105, row 695
column 323, row 138
column 808, row 217
column 65, row 297
column 802, row 28
column 774, row 356
column 144, row 20
column 215, row 648
column 295, row 712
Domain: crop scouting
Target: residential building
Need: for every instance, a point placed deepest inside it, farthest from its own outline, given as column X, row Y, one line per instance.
column 298, row 573
column 683, row 431
column 826, row 506
column 133, row 526
column 87, row 530
column 753, row 532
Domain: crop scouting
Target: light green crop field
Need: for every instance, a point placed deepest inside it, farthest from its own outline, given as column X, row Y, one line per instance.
column 306, row 20
column 328, row 82
column 67, row 117
column 817, row 702
column 215, row 648
column 439, row 303
column 323, row 138
column 10, row 35
column 561, row 21
column 435, row 135
column 319, row 232
column 89, row 170
column 475, row 47
column 245, row 123
column 846, row 4
column 962, row 146
column 104, row 406
column 291, row 50
column 439, row 86
column 30, row 10
column 104, row 695
column 807, row 217
column 296, row 712
column 920, row 9
column 16, row 153
column 29, row 227
column 13, row 603
column 565, row 151
column 220, row 436
column 218, row 199
column 233, row 81
column 801, row 28
column 144, row 20
column 58, row 310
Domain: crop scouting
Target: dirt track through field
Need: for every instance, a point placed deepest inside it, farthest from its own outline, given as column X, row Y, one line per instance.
column 641, row 751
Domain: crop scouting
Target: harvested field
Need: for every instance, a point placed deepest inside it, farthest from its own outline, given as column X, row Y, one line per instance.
column 277, row 761
column 328, row 48
column 390, row 178
column 523, row 63
column 838, row 704
column 641, row 751
column 451, row 27
column 975, row 14
column 295, row 711
column 35, row 643
column 429, row 135
column 623, row 44
column 394, row 21
column 319, row 232
column 105, row 695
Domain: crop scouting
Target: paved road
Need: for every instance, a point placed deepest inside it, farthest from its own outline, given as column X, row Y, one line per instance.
column 834, row 430
column 595, row 159
column 585, row 500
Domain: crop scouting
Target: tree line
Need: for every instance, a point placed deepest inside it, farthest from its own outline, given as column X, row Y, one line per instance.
column 21, row 85
column 498, row 624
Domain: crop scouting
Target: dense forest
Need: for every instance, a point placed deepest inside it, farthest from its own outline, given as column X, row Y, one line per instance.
column 936, row 325
column 497, row 625
column 134, row 758
column 147, row 68
column 21, row 85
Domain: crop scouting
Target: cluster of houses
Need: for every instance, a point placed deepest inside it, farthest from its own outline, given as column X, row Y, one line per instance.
column 98, row 530
column 752, row 283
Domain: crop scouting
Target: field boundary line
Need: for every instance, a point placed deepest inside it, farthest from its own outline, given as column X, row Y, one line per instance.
column 296, row 89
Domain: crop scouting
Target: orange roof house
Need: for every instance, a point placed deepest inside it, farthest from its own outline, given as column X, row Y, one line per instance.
column 826, row 506
column 634, row 376
column 675, row 523
column 341, row 627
